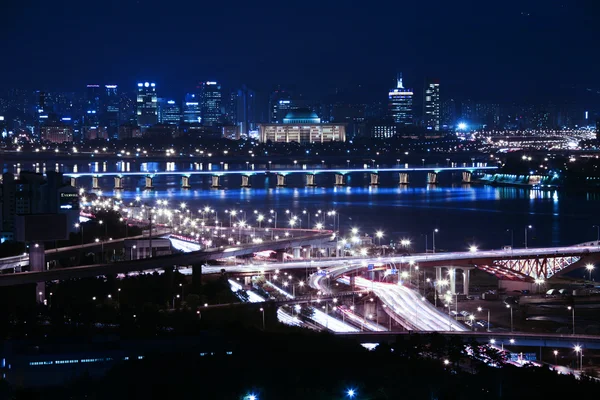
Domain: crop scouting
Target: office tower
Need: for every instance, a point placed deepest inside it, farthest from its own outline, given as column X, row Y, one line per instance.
column 192, row 113
column 245, row 110
column 431, row 105
column 147, row 104
column 111, row 107
column 280, row 103
column 210, row 103
column 448, row 114
column 169, row 112
column 400, row 103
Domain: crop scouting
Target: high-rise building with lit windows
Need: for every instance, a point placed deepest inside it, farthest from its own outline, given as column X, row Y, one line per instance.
column 192, row 112
column 110, row 114
column 169, row 112
column 432, row 105
column 400, row 103
column 147, row 104
column 210, row 103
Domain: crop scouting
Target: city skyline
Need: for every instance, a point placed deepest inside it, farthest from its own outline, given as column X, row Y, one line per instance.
column 517, row 51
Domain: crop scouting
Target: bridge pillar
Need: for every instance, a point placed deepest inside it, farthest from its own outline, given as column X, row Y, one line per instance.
column 432, row 178
column 466, row 278
column 340, row 180
column 374, row 180
column 118, row 183
column 215, row 184
column 438, row 278
column 149, row 185
column 37, row 263
column 73, row 181
column 95, row 185
column 310, row 180
column 280, row 180
column 196, row 278
column 452, row 280
column 307, row 251
column 297, row 251
column 280, row 255
column 185, row 182
column 246, row 181
column 467, row 176
column 403, row 178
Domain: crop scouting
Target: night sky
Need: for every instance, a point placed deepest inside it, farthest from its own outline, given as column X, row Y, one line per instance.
column 485, row 49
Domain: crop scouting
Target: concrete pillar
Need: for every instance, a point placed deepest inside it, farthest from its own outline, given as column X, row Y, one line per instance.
column 467, row 176
column 149, row 183
column 432, row 178
column 196, row 278
column 438, row 278
column 306, row 254
column 95, row 185
column 185, row 182
column 340, row 180
column 297, row 251
column 310, row 180
column 280, row 180
column 37, row 263
column 246, row 181
column 280, row 255
column 73, row 181
column 466, row 277
column 215, row 184
column 118, row 183
column 374, row 180
column 403, row 178
column 452, row 280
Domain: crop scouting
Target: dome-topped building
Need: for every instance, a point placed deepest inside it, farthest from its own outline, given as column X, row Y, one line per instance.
column 301, row 116
column 303, row 126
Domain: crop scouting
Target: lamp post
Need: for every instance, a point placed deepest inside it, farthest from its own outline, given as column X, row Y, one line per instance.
column 590, row 268
column 511, row 317
column 275, row 218
column 555, row 352
column 597, row 233
column 80, row 226
column 526, row 229
column 433, row 245
column 488, row 316
column 512, row 238
column 579, row 351
column 572, row 309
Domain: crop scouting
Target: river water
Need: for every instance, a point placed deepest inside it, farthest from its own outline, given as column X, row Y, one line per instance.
column 465, row 215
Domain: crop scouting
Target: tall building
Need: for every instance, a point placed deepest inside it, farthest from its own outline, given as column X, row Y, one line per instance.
column 56, row 132
column 192, row 113
column 280, row 103
column 400, row 103
column 245, row 110
column 431, row 105
column 210, row 103
column 147, row 104
column 110, row 116
column 448, row 114
column 169, row 112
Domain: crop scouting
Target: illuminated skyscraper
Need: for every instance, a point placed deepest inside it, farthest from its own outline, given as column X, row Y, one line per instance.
column 147, row 104
column 431, row 105
column 192, row 113
column 400, row 103
column 169, row 112
column 110, row 114
column 210, row 103
column 280, row 103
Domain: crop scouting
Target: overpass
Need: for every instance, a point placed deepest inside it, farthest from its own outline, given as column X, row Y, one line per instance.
column 281, row 174
column 195, row 258
column 549, row 340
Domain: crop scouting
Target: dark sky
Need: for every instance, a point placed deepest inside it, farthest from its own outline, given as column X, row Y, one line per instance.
column 486, row 49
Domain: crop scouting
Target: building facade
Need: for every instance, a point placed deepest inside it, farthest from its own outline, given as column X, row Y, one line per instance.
column 169, row 112
column 210, row 103
column 400, row 103
column 432, row 105
column 147, row 104
column 56, row 132
column 302, row 126
column 192, row 114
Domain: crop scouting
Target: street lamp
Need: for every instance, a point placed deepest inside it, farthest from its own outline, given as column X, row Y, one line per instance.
column 579, row 351
column 511, row 317
column 473, row 249
column 590, row 268
column 472, row 319
column 80, row 226
column 555, row 352
column 262, row 310
column 434, row 232
column 598, row 233
column 379, row 235
column 351, row 393
column 488, row 316
column 526, row 229
column 572, row 309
